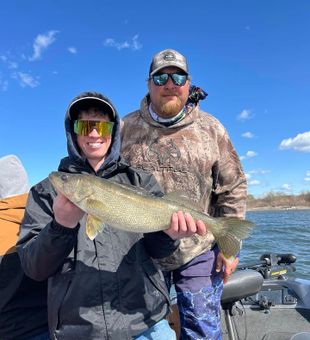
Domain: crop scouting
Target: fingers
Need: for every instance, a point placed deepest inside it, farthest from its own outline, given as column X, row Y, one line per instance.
column 66, row 213
column 201, row 228
column 187, row 223
column 183, row 225
column 227, row 273
column 227, row 265
column 219, row 263
column 234, row 264
column 177, row 226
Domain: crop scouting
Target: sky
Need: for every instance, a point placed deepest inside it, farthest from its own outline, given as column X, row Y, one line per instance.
column 252, row 57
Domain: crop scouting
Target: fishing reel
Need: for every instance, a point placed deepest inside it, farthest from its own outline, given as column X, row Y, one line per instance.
column 274, row 266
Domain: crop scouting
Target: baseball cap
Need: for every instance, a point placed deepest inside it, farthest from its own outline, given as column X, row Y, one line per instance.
column 168, row 58
column 90, row 99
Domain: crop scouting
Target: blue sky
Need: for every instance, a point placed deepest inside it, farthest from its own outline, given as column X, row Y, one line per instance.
column 252, row 57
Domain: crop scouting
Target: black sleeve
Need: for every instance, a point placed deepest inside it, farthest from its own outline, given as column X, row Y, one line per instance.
column 159, row 244
column 144, row 180
column 43, row 243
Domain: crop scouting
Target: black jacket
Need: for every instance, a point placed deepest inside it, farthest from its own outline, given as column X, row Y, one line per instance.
column 107, row 288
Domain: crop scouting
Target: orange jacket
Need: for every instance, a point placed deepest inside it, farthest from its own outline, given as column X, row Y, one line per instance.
column 11, row 215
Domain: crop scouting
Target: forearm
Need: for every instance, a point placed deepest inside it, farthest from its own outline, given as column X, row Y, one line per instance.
column 232, row 203
column 159, row 244
column 43, row 255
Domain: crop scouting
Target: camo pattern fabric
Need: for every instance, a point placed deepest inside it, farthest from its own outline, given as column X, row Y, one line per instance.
column 193, row 158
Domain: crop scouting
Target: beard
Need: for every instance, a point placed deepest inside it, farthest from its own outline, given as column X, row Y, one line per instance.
column 170, row 108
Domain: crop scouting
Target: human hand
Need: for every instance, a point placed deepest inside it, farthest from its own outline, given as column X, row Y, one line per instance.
column 228, row 265
column 183, row 225
column 66, row 213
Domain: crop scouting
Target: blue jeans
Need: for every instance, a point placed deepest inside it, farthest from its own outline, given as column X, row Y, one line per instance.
column 160, row 331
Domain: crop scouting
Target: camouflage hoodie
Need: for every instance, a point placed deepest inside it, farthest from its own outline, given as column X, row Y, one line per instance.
column 193, row 157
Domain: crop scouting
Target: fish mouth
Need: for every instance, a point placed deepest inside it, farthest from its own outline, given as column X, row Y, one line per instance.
column 58, row 179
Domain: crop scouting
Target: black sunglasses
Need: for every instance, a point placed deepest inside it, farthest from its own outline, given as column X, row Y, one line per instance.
column 161, row 79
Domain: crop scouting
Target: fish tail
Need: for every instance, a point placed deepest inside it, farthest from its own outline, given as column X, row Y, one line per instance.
column 233, row 230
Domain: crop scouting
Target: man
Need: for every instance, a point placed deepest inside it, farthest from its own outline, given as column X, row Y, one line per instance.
column 189, row 152
column 107, row 287
column 23, row 311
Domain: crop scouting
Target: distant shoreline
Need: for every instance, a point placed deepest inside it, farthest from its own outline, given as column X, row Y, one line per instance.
column 279, row 208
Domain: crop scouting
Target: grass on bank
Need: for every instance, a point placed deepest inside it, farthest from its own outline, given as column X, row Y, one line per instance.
column 274, row 200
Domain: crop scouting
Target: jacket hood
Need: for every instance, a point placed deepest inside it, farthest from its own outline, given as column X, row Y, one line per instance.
column 75, row 159
column 192, row 112
column 13, row 177
column 191, row 109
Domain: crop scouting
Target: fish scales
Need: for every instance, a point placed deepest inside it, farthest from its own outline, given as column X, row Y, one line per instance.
column 134, row 210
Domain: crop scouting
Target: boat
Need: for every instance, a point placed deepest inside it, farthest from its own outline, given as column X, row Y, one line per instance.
column 263, row 301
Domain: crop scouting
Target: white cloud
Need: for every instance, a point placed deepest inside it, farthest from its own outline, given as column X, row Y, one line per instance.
column 248, row 135
column 254, row 182
column 307, row 178
column 72, row 50
column 25, row 79
column 299, row 143
column 286, row 187
column 249, row 154
column 4, row 84
column 41, row 43
column 12, row 65
column 134, row 44
column 109, row 42
column 259, row 171
column 244, row 115
column 251, row 181
column 9, row 63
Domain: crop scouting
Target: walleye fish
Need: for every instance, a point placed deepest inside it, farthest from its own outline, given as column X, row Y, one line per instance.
column 132, row 209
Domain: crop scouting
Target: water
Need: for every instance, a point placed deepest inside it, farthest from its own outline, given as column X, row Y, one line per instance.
column 285, row 231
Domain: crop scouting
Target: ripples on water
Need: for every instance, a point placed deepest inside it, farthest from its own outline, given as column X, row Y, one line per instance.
column 285, row 231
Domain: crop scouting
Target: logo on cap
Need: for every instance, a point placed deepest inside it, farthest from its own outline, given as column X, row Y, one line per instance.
column 169, row 56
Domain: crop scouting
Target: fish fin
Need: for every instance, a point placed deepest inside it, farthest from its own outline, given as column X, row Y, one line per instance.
column 182, row 199
column 230, row 259
column 95, row 204
column 93, row 226
column 135, row 189
column 233, row 230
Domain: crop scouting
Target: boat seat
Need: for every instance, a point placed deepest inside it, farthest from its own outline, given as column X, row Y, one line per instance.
column 241, row 284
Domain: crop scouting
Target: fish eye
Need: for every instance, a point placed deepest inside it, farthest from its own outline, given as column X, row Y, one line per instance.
column 64, row 178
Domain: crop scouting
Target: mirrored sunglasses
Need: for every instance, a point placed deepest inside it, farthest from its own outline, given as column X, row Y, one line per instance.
column 161, row 79
column 85, row 127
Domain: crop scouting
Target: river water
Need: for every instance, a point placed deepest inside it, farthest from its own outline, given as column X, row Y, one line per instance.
column 285, row 231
